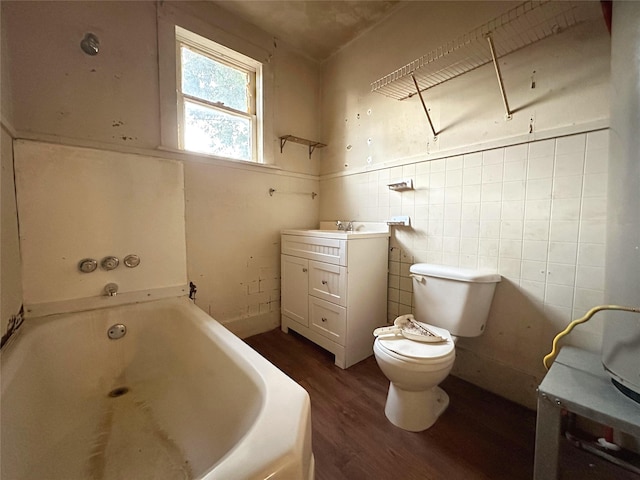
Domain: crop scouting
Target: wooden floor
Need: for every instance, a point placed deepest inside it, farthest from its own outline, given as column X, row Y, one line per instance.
column 480, row 436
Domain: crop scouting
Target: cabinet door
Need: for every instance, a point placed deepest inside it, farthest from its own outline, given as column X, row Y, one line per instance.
column 328, row 282
column 294, row 288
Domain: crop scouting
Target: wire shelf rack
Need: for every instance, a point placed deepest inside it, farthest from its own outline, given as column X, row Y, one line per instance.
column 517, row 28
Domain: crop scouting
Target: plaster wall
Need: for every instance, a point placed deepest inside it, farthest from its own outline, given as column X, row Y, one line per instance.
column 6, row 106
column 525, row 197
column 367, row 130
column 78, row 203
column 111, row 103
column 59, row 90
column 10, row 274
column 233, row 240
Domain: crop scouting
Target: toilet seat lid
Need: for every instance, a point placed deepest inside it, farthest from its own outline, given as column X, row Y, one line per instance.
column 419, row 350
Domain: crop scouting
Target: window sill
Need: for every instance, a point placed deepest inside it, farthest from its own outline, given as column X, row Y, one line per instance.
column 159, row 152
column 186, row 155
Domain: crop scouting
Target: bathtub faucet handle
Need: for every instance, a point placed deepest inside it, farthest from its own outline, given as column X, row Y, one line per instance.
column 111, row 289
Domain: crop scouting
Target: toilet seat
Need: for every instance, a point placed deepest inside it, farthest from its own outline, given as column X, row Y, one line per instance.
column 410, row 350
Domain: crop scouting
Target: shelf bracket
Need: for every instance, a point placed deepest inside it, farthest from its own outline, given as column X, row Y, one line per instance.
column 499, row 75
column 312, row 145
column 426, row 111
column 283, row 141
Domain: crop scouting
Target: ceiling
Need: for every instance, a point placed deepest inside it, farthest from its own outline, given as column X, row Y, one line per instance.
column 318, row 29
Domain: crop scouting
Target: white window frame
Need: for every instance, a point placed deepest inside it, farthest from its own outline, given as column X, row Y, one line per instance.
column 215, row 29
column 233, row 59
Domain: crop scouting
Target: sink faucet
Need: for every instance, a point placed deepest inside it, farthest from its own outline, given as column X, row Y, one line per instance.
column 345, row 226
column 111, row 289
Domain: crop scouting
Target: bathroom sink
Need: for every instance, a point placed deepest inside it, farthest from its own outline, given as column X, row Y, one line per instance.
column 330, row 230
column 352, row 232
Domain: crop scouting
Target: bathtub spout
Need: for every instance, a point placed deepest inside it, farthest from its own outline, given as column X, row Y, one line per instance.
column 111, row 289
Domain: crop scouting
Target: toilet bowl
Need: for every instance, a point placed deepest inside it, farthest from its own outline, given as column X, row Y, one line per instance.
column 451, row 302
column 414, row 369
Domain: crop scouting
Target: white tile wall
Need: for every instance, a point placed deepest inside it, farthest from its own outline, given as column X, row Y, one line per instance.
column 534, row 212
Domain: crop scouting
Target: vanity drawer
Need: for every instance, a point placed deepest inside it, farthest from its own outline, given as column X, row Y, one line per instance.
column 328, row 282
column 326, row 250
column 328, row 319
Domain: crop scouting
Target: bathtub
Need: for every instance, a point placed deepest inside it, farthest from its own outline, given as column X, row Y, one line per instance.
column 177, row 397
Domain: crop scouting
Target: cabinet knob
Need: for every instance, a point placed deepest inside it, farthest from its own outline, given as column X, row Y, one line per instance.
column 324, row 319
column 324, row 282
column 304, row 270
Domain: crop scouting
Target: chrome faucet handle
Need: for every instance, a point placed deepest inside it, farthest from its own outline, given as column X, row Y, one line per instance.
column 349, row 227
column 110, row 263
column 340, row 225
column 111, row 289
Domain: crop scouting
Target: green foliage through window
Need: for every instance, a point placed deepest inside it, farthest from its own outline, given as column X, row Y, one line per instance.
column 218, row 103
column 217, row 133
column 205, row 78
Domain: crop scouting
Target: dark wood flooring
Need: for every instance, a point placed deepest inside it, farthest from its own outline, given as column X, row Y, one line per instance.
column 481, row 436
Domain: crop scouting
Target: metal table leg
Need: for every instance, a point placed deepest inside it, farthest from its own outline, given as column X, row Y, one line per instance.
column 547, row 439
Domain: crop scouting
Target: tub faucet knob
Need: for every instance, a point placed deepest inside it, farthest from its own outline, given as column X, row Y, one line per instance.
column 111, row 289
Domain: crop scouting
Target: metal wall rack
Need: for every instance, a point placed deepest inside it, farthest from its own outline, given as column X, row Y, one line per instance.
column 303, row 141
column 517, row 28
column 401, row 185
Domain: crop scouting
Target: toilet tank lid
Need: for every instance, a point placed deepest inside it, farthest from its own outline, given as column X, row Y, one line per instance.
column 455, row 273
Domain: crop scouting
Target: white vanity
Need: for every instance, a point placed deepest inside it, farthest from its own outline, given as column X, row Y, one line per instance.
column 334, row 286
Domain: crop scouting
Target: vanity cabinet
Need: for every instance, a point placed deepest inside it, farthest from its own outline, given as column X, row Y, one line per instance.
column 334, row 289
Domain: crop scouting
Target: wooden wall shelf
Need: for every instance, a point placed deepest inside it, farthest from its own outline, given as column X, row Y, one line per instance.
column 303, row 141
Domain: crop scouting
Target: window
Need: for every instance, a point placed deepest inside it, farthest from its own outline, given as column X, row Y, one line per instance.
column 218, row 93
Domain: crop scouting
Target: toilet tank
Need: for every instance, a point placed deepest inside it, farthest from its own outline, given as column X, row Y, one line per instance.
column 457, row 299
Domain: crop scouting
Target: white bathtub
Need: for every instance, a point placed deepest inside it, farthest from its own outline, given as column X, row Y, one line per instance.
column 190, row 401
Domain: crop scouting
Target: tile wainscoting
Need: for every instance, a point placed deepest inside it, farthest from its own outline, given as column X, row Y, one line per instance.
column 535, row 212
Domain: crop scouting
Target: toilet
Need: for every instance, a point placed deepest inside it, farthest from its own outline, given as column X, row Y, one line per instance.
column 451, row 302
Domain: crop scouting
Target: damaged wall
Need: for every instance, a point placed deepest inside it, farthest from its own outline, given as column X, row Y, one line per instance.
column 111, row 102
column 233, row 240
column 525, row 197
column 10, row 274
column 561, row 81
